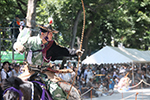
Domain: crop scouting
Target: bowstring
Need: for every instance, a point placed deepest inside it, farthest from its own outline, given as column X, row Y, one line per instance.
column 80, row 48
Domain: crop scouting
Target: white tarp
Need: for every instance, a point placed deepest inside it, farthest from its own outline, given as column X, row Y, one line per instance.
column 114, row 55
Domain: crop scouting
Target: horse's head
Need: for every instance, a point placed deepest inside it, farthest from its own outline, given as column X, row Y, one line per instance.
column 15, row 89
column 11, row 88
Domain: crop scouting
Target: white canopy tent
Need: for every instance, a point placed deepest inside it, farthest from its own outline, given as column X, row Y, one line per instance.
column 114, row 55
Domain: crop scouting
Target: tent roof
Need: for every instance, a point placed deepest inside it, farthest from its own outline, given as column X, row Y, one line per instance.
column 112, row 55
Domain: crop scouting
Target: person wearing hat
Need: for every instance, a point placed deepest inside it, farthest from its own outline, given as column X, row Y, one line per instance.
column 41, row 48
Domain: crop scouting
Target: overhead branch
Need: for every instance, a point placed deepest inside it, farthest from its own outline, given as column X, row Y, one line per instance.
column 100, row 5
column 25, row 4
column 20, row 8
column 6, row 1
column 74, row 31
column 119, row 7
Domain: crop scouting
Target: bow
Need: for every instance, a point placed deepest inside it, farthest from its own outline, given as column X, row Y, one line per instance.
column 80, row 47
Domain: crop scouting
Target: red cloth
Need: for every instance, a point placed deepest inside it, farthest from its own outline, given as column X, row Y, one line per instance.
column 55, row 71
column 45, row 50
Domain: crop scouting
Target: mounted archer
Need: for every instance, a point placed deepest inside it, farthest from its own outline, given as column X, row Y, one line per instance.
column 41, row 48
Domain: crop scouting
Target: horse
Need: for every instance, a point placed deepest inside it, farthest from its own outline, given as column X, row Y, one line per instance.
column 58, row 90
column 16, row 89
column 25, row 87
column 74, row 94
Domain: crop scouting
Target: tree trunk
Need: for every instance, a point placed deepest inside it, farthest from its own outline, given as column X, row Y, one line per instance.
column 74, row 31
column 31, row 14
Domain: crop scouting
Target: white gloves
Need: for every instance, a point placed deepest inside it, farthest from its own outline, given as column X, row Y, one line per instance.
column 79, row 52
column 19, row 47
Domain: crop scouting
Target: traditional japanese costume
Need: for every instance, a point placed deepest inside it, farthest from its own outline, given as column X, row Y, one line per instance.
column 39, row 53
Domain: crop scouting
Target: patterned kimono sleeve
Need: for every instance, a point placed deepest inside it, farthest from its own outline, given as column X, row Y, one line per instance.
column 34, row 45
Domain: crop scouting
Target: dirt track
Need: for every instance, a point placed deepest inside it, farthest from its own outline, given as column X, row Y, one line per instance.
column 143, row 94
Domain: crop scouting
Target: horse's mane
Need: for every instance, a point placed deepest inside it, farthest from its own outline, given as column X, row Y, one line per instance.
column 11, row 82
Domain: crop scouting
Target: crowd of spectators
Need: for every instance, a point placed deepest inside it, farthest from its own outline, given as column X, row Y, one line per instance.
column 102, row 78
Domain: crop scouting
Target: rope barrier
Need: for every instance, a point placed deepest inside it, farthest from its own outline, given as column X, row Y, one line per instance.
column 122, row 94
column 127, row 97
column 139, row 84
column 136, row 84
column 86, row 92
column 146, row 83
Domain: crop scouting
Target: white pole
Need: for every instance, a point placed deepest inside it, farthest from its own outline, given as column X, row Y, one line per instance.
column 132, row 73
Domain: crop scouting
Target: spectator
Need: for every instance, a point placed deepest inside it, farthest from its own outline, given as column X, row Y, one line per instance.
column 5, row 69
column 115, row 74
column 15, row 25
column 1, row 91
column 102, row 90
column 90, row 85
column 15, row 71
column 111, row 84
column 66, row 76
column 69, row 65
column 88, row 75
column 73, row 74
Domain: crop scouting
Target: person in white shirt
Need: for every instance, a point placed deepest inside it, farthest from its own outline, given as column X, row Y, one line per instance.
column 4, row 72
column 89, row 75
column 66, row 76
column 85, row 73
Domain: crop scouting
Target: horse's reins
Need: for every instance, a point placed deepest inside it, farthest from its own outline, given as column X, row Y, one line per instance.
column 43, row 91
column 15, row 90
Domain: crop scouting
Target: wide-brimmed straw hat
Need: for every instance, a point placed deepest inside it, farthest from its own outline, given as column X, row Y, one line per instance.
column 48, row 28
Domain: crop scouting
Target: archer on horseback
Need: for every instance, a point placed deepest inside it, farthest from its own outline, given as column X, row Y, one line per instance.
column 41, row 49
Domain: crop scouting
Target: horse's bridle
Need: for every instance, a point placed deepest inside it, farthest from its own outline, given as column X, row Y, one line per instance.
column 43, row 90
column 15, row 90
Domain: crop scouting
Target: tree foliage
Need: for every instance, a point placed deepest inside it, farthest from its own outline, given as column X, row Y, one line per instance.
column 108, row 22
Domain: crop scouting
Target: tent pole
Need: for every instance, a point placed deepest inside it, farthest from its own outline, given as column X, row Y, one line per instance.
column 132, row 73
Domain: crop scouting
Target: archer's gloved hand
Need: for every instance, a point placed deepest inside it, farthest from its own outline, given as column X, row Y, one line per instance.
column 79, row 52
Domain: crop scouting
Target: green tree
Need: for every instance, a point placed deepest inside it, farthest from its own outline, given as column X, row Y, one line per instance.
column 107, row 21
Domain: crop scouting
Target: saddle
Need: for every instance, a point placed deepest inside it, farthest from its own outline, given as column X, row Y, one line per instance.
column 39, row 80
column 44, row 69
